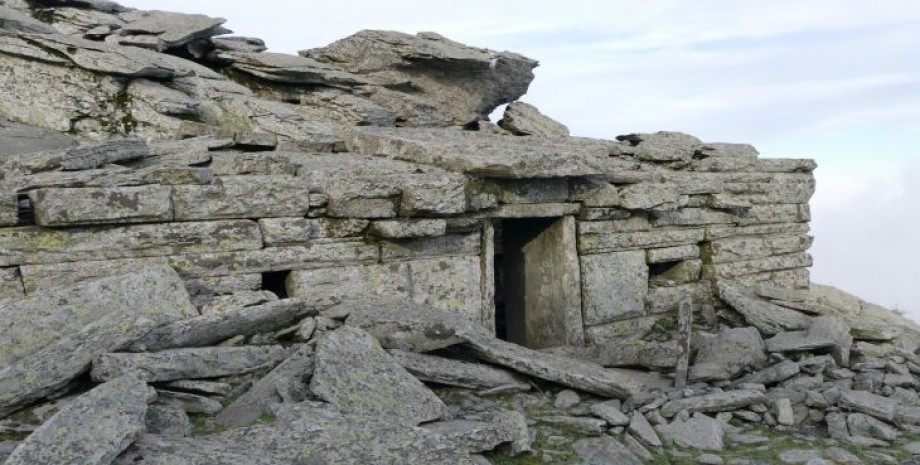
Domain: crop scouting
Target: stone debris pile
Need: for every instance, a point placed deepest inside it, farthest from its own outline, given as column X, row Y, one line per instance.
column 211, row 253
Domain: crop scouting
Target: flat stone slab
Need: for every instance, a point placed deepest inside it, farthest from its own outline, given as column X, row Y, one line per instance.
column 243, row 197
column 286, row 383
column 767, row 317
column 52, row 338
column 484, row 155
column 217, row 326
column 566, row 371
column 409, row 326
column 716, row 402
column 35, row 245
column 116, row 410
column 480, row 436
column 883, row 408
column 205, row 362
column 117, row 205
column 152, row 449
column 170, row 30
column 350, row 361
column 449, row 372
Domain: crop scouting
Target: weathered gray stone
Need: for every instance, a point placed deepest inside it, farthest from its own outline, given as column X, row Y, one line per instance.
column 286, row 231
column 66, row 207
column 94, row 156
column 864, row 425
column 243, row 197
column 224, row 303
column 782, row 411
column 484, row 155
column 51, row 338
column 349, row 361
column 603, row 236
column 615, row 286
column 17, row 139
column 163, row 30
column 34, row 245
column 727, row 354
column 879, row 407
column 289, row 69
column 747, row 248
column 451, row 245
column 716, row 402
column 642, row 430
column 415, row 281
column 214, row 327
column 16, row 21
column 312, row 256
column 648, row 196
column 167, row 421
column 401, row 229
column 672, row 254
column 456, row 84
column 206, row 362
column 117, row 410
column 768, row 318
column 439, row 370
column 286, row 383
column 772, row 374
column 522, row 119
column 604, row 450
column 661, row 146
column 200, row 387
column 566, row 399
column 188, row 402
column 823, row 332
column 568, row 372
column 478, row 436
column 700, row 432
column 609, row 411
column 632, row 351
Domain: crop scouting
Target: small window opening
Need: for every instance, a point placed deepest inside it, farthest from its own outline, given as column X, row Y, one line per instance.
column 275, row 281
column 24, row 211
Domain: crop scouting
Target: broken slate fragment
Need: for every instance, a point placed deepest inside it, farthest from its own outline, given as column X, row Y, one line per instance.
column 480, row 436
column 116, row 410
column 205, row 362
column 113, row 151
column 288, row 382
column 449, row 372
column 357, row 376
column 716, row 402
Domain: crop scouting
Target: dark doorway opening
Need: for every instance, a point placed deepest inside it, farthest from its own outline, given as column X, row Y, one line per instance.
column 512, row 236
column 275, row 281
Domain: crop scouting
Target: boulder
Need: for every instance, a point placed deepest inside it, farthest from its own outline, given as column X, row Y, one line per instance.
column 116, row 410
column 357, row 376
column 604, row 450
column 725, row 355
column 765, row 316
column 700, row 432
column 825, row 332
column 452, row 84
column 51, row 338
column 522, row 119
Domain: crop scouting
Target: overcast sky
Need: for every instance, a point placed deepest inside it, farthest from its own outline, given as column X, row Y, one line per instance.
column 833, row 80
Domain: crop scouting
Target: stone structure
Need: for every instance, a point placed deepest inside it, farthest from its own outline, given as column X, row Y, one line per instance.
column 143, row 152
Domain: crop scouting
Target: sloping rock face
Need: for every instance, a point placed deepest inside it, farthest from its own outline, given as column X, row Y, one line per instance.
column 175, row 230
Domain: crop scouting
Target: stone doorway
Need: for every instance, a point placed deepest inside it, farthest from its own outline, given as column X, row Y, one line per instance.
column 537, row 282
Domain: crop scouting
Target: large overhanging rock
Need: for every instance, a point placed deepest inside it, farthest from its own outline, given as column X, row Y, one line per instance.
column 163, row 30
column 50, row 339
column 91, row 430
column 440, row 82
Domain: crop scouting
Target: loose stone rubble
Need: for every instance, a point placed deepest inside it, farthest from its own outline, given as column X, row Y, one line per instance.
column 211, row 253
